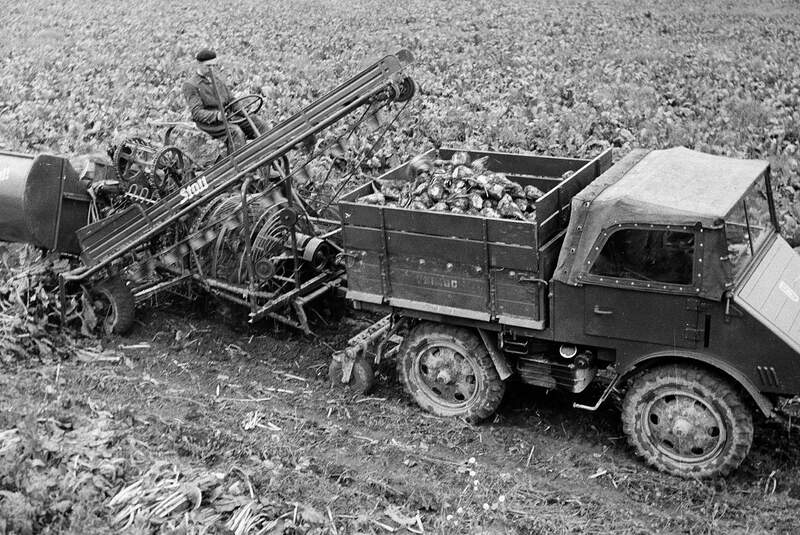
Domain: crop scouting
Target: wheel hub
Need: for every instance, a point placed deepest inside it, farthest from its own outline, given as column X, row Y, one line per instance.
column 684, row 427
column 681, row 427
column 446, row 375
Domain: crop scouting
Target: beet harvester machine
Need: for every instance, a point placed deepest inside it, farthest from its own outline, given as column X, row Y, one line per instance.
column 239, row 229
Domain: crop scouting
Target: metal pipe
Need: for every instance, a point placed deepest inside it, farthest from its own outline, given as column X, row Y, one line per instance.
column 221, row 285
column 248, row 249
column 293, row 233
column 603, row 397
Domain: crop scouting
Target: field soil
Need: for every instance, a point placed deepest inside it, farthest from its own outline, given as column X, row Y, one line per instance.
column 186, row 396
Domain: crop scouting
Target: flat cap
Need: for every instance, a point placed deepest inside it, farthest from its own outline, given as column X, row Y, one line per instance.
column 205, row 54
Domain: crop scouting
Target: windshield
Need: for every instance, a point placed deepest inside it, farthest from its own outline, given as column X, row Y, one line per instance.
column 747, row 226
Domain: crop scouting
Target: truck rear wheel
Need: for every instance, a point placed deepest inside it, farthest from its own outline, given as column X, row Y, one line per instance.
column 114, row 305
column 687, row 421
column 448, row 372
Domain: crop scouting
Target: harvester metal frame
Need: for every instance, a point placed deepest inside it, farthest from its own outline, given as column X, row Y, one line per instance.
column 111, row 245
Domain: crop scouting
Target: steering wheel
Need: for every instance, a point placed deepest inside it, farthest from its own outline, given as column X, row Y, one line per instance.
column 240, row 109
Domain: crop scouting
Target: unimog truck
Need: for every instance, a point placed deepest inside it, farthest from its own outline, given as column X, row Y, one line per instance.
column 663, row 277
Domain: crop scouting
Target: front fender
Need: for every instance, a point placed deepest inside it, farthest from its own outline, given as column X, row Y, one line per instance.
column 651, row 359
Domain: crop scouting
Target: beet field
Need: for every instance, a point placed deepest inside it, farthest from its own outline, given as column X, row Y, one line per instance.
column 191, row 425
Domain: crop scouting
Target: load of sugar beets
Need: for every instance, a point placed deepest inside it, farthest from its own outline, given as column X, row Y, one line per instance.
column 458, row 186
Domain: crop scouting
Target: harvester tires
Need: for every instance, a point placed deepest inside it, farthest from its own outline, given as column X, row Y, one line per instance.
column 687, row 421
column 117, row 309
column 362, row 378
column 448, row 372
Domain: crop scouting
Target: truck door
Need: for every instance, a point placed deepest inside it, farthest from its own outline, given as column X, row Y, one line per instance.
column 641, row 286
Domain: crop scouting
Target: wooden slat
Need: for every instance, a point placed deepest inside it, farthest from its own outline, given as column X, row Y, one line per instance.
column 440, row 309
column 434, row 223
column 543, row 183
column 364, row 274
column 360, row 215
column 512, row 232
column 558, row 199
column 437, row 297
column 513, row 257
column 525, row 323
column 360, row 191
column 574, row 184
column 547, row 206
column 367, row 297
column 419, row 245
column 522, row 164
column 362, row 239
column 517, row 298
column 459, row 251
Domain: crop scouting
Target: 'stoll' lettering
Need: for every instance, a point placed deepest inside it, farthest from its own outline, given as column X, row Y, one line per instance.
column 187, row 192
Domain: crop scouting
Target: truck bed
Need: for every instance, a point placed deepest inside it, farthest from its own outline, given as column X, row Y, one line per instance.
column 488, row 270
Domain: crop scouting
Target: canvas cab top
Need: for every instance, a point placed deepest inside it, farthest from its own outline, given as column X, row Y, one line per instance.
column 722, row 203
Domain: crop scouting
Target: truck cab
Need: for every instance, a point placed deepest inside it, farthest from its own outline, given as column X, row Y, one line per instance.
column 675, row 260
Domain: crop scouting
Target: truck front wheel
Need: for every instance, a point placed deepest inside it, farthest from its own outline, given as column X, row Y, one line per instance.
column 448, row 372
column 687, row 421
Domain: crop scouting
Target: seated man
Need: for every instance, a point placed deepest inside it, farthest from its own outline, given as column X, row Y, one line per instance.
column 201, row 99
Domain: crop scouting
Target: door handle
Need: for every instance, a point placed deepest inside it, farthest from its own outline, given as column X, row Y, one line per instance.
column 602, row 312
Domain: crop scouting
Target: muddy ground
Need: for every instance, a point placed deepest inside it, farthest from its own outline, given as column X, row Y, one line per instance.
column 187, row 392
column 251, row 415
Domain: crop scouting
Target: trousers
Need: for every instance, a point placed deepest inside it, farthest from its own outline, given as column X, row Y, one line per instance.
column 240, row 133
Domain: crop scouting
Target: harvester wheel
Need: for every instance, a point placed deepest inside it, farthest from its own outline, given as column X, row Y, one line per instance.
column 362, row 378
column 406, row 89
column 687, row 421
column 114, row 305
column 448, row 372
column 168, row 170
column 125, row 164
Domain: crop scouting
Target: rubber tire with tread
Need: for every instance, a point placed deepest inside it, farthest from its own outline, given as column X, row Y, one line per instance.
column 123, row 305
column 718, row 392
column 489, row 387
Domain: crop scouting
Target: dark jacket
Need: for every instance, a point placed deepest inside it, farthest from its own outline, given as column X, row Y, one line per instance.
column 201, row 100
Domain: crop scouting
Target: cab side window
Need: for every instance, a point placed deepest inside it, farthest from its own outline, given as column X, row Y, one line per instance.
column 664, row 256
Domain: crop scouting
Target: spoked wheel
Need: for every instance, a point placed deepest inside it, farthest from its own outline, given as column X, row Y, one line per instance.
column 241, row 108
column 448, row 372
column 127, row 163
column 686, row 421
column 405, row 89
column 169, row 169
column 114, row 305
